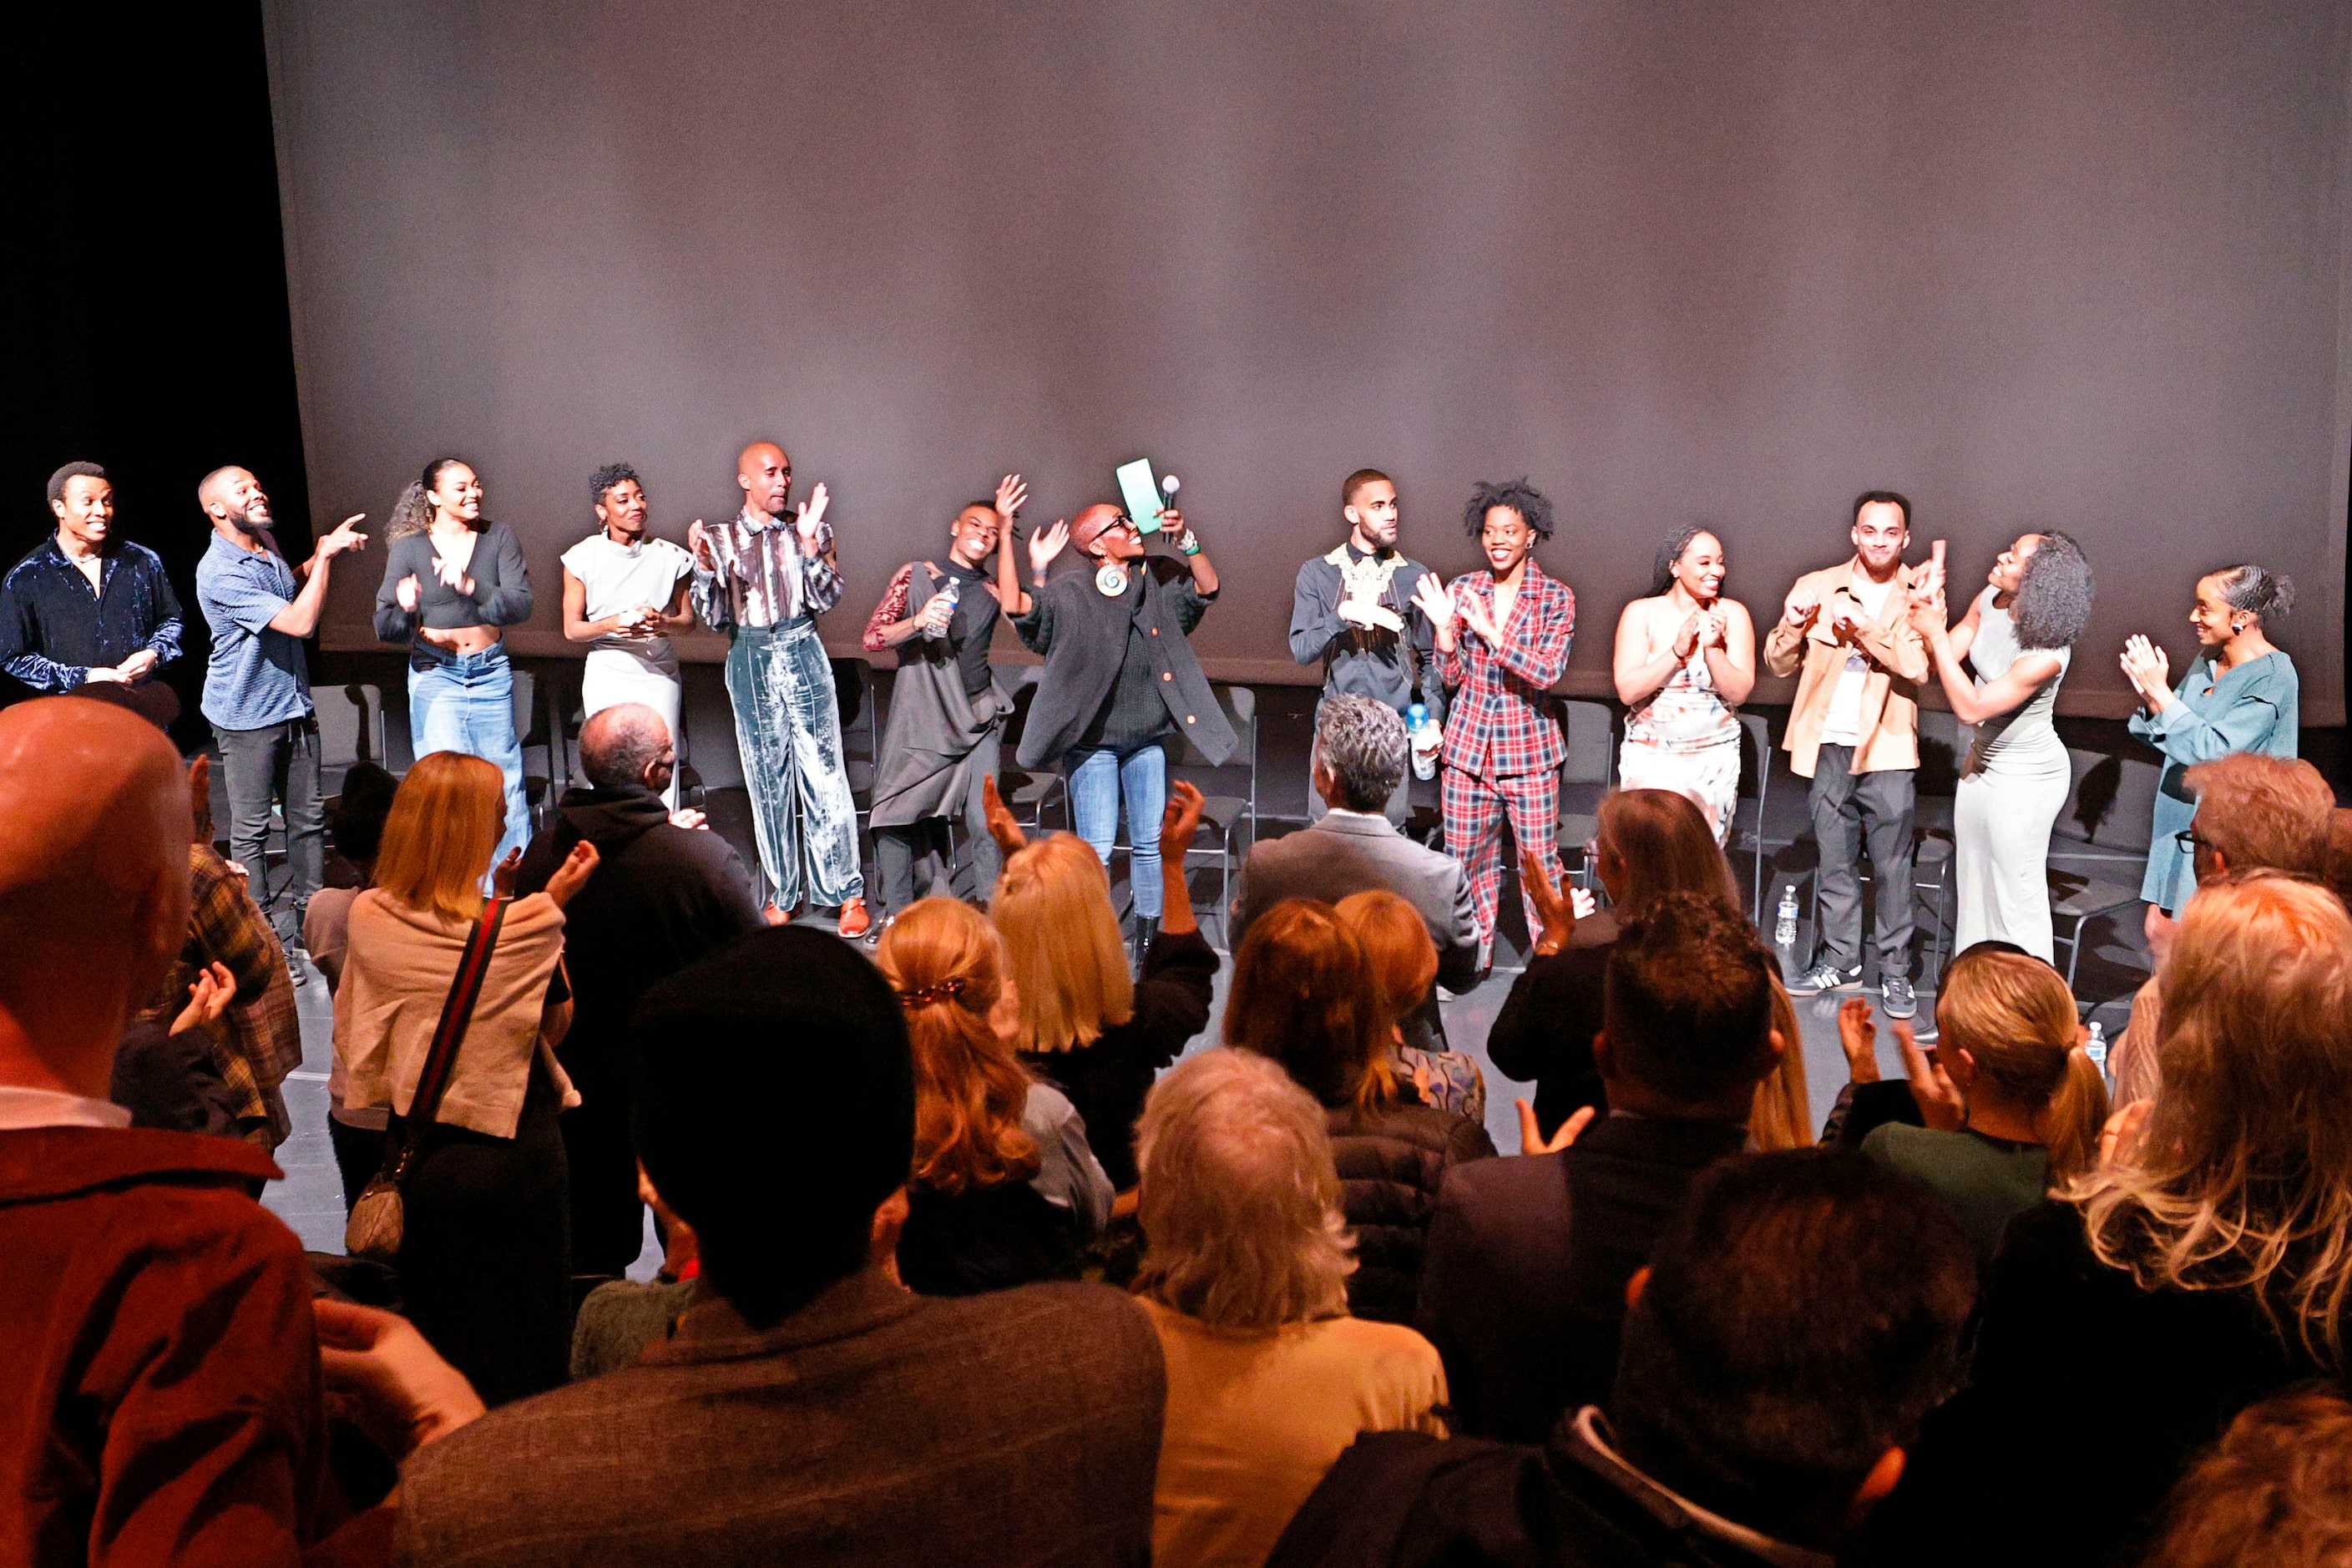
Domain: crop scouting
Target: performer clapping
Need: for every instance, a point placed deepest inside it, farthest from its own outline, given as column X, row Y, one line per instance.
column 2019, row 633
column 624, row 593
column 763, row 578
column 947, row 715
column 1120, row 682
column 1685, row 659
column 1502, row 638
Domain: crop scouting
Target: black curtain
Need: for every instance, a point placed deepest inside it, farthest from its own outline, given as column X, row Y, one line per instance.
column 147, row 329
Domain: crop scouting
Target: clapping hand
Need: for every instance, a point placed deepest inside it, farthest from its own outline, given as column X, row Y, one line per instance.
column 405, row 594
column 808, row 515
column 2119, row 1139
column 502, row 875
column 1942, row 1106
column 1429, row 595
column 1001, row 824
column 209, row 997
column 1803, row 606
column 1532, row 1137
column 2147, row 667
column 1472, row 611
column 1927, row 613
column 1690, row 635
column 1179, row 821
column 1557, row 912
column 1012, row 495
column 1046, row 543
column 697, row 540
column 1858, row 1038
column 452, row 577
column 573, row 874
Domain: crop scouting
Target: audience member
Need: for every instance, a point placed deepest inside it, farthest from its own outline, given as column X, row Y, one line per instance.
column 621, row 1317
column 1782, row 1115
column 2339, row 853
column 2275, row 1491
column 1650, row 843
column 806, row 1409
column 1305, row 994
column 160, row 1389
column 1524, row 1287
column 1268, row 1378
column 1802, row 1313
column 1087, row 1026
column 2202, row 1268
column 166, row 1073
column 485, row 1261
column 1359, row 760
column 357, row 823
column 2253, row 812
column 1404, row 966
column 2010, row 1103
column 1005, row 1190
column 663, row 897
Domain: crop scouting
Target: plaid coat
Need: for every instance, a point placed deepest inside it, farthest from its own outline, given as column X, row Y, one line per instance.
column 1501, row 723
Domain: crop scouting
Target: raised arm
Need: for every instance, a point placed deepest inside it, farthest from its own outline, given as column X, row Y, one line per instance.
column 707, row 586
column 298, row 616
column 1638, row 671
column 1971, row 703
column 889, row 625
column 1898, row 647
column 1539, row 657
column 1731, row 651
column 1784, row 645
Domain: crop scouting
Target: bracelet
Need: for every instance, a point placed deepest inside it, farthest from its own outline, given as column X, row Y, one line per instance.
column 1189, row 544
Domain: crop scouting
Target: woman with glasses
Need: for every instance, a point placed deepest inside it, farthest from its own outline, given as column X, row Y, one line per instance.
column 1120, row 685
column 2240, row 695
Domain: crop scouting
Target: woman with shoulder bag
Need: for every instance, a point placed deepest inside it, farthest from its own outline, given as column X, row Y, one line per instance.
column 449, row 1012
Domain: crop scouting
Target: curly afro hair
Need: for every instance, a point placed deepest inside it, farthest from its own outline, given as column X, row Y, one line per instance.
column 604, row 478
column 2053, row 594
column 1518, row 495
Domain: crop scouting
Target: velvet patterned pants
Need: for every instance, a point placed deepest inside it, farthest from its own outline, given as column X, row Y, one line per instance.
column 788, row 728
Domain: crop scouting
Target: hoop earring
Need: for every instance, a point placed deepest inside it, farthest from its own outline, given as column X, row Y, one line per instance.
column 2237, row 628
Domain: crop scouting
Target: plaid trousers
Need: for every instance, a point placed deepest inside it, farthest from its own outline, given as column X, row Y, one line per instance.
column 1474, row 808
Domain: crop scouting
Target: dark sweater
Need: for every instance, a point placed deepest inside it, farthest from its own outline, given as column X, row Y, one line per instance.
column 1391, row 1164
column 2087, row 1399
column 501, row 595
column 1544, row 1033
column 1107, row 1080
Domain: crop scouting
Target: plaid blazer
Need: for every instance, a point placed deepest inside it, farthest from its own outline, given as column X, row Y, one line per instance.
column 1502, row 723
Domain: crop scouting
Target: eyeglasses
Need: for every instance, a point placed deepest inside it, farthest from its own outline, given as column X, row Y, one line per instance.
column 2188, row 840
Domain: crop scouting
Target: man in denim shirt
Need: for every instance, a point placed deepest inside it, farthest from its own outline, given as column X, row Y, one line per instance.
column 257, row 687
column 86, row 606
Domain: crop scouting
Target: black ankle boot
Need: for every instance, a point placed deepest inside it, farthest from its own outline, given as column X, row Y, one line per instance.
column 1146, row 928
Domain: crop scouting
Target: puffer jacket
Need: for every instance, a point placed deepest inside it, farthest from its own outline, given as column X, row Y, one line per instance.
column 1391, row 1165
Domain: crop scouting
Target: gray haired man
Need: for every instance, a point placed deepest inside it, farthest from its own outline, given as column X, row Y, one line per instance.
column 1360, row 756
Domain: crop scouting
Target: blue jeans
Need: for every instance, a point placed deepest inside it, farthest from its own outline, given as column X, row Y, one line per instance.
column 466, row 704
column 1097, row 779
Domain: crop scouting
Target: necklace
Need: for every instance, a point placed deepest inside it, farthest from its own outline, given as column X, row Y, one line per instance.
column 1110, row 580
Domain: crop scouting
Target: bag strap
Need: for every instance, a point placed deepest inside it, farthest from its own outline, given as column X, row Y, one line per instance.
column 456, row 1013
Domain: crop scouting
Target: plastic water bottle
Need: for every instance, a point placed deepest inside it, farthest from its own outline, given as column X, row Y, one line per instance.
column 2095, row 1048
column 1426, row 738
column 1784, row 924
column 952, row 590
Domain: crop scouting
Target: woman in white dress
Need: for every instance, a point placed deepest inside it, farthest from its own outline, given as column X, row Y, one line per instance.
column 624, row 594
column 1685, row 660
column 2019, row 636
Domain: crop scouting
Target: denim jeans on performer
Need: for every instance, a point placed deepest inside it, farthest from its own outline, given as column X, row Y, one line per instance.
column 465, row 704
column 788, row 728
column 1099, row 779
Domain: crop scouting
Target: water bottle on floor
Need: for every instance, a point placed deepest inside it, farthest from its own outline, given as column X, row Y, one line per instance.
column 2095, row 1048
column 1784, row 925
column 1425, row 739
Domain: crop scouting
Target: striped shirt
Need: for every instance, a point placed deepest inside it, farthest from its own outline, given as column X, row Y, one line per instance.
column 762, row 578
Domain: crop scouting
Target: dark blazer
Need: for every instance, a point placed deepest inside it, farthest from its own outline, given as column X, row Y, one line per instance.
column 870, row 1426
column 2087, row 1399
column 1083, row 636
column 1391, row 1165
column 1544, row 1031
column 1349, row 852
column 1524, row 1289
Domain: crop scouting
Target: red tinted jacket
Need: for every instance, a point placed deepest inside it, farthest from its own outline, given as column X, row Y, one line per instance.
column 159, row 1368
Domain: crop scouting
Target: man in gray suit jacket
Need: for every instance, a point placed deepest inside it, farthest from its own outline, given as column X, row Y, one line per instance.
column 1360, row 756
column 806, row 1409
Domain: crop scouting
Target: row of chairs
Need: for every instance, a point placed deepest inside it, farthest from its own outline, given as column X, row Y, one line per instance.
column 2102, row 833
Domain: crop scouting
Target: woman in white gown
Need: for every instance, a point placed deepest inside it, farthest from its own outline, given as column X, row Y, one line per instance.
column 2019, row 635
column 624, row 594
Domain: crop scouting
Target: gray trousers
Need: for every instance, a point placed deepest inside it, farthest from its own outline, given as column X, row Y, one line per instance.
column 897, row 847
column 278, row 763
column 788, row 728
column 1849, row 810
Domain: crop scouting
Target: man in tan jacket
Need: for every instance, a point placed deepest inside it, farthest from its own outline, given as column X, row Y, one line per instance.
column 1855, row 731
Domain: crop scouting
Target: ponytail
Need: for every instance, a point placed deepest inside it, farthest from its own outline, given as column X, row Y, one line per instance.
column 2077, row 1114
column 412, row 513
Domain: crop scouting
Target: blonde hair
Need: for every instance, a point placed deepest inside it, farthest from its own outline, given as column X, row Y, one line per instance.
column 1240, row 1197
column 946, row 965
column 1396, row 942
column 2013, row 1015
column 1053, row 904
column 1664, row 844
column 2243, row 1177
column 1305, row 994
column 1781, row 1116
column 446, row 819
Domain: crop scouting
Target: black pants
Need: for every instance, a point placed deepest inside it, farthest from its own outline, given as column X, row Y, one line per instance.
column 358, row 1155
column 1849, row 810
column 275, row 764
column 898, row 846
column 486, row 1259
column 608, row 1218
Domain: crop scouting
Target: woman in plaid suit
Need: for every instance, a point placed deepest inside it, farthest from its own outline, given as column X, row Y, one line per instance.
column 1502, row 639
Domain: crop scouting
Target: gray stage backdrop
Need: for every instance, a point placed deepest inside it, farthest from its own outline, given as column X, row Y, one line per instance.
column 2074, row 263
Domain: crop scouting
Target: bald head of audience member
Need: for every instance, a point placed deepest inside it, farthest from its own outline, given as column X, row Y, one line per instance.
column 94, row 834
column 628, row 745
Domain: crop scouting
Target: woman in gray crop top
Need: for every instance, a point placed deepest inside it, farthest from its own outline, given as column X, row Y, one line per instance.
column 450, row 581
column 2019, row 636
